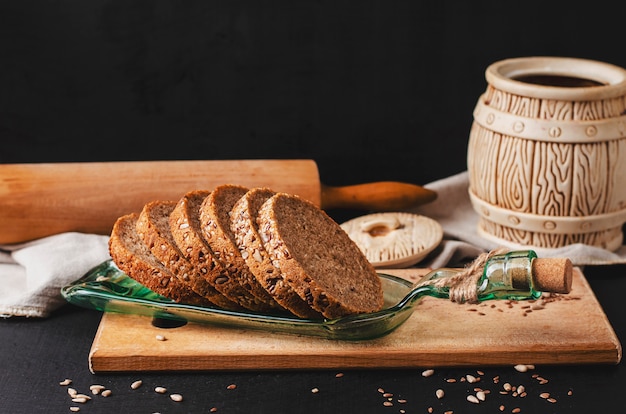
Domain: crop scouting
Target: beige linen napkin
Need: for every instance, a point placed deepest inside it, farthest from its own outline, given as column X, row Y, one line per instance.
column 453, row 210
column 32, row 274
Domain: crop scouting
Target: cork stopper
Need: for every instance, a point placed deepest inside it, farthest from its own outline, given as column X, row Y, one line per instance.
column 552, row 275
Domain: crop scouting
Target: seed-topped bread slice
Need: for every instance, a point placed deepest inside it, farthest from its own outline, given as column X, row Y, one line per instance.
column 245, row 230
column 184, row 225
column 317, row 258
column 215, row 225
column 134, row 258
column 153, row 226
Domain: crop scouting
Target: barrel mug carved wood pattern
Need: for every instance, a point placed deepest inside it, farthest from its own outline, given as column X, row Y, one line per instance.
column 547, row 153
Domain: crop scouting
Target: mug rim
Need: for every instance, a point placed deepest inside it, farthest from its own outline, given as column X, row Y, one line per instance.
column 501, row 75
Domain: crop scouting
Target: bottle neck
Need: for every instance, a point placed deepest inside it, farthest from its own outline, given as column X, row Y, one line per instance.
column 504, row 276
column 508, row 276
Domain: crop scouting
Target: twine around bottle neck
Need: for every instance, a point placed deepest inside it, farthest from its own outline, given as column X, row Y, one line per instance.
column 463, row 286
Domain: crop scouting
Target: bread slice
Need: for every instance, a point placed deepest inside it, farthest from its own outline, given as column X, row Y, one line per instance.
column 134, row 258
column 215, row 226
column 153, row 226
column 245, row 230
column 184, row 225
column 317, row 258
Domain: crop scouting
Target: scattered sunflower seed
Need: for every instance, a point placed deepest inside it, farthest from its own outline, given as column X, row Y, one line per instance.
column 523, row 367
column 439, row 393
column 428, row 373
column 176, row 397
column 136, row 384
column 471, row 379
column 231, row 387
column 160, row 390
column 66, row 381
column 74, row 409
column 82, row 396
column 472, row 398
column 96, row 389
column 106, row 393
column 315, row 390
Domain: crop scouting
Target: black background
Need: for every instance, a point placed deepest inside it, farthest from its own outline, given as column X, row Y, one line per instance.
column 372, row 90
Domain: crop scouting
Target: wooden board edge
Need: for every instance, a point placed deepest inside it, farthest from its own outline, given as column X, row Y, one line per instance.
column 109, row 364
column 94, row 357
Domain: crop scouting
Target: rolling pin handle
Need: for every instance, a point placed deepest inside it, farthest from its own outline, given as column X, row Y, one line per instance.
column 376, row 196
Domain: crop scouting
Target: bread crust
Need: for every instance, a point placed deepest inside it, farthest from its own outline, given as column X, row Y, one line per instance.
column 245, row 230
column 134, row 258
column 153, row 226
column 215, row 227
column 185, row 227
column 317, row 258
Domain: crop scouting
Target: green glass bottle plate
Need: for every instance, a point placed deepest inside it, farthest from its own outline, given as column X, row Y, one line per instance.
column 107, row 288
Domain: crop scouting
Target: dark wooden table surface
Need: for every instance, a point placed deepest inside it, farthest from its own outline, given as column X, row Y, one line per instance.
column 36, row 355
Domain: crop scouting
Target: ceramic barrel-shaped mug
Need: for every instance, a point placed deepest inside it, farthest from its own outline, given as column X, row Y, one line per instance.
column 547, row 153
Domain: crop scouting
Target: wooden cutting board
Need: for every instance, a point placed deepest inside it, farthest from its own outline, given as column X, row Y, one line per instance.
column 38, row 200
column 569, row 329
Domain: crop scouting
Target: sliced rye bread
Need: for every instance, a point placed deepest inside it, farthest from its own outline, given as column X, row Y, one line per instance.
column 317, row 257
column 134, row 258
column 245, row 230
column 184, row 225
column 153, row 226
column 215, row 226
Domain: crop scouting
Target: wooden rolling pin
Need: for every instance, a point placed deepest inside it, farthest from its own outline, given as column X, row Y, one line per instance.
column 38, row 200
